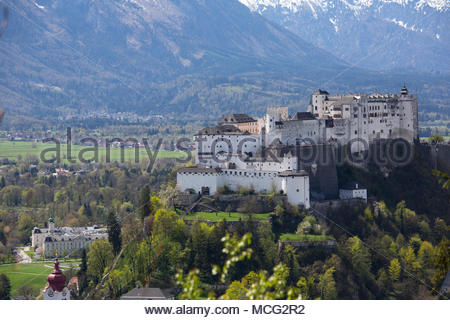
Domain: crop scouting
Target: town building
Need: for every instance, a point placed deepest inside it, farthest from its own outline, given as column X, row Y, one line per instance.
column 353, row 190
column 53, row 241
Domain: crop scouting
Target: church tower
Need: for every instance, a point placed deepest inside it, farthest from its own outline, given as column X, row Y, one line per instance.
column 51, row 224
column 56, row 287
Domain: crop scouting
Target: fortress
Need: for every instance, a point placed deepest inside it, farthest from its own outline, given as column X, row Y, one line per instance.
column 268, row 154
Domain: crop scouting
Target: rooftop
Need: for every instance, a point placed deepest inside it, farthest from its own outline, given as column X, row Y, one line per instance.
column 221, row 129
column 147, row 294
column 302, row 116
column 352, row 185
column 237, row 118
column 292, row 173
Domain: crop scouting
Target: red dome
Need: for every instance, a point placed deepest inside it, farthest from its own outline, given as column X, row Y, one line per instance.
column 56, row 279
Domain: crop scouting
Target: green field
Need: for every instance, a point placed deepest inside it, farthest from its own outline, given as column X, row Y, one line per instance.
column 229, row 216
column 426, row 139
column 32, row 274
column 15, row 149
column 304, row 237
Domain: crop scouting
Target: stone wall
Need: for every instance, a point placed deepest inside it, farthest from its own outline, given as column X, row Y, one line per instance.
column 231, row 201
column 330, row 245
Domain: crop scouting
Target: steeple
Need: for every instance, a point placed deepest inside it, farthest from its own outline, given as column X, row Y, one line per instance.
column 56, row 279
column 404, row 91
column 56, row 287
column 51, row 223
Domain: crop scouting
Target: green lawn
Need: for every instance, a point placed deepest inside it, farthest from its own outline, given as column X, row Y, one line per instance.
column 426, row 139
column 229, row 216
column 13, row 149
column 306, row 237
column 33, row 274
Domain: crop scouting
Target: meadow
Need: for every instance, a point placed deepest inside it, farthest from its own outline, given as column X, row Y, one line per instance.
column 15, row 150
column 31, row 274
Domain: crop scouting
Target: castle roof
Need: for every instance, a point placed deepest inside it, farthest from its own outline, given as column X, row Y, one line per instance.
column 292, row 173
column 352, row 185
column 237, row 118
column 319, row 91
column 220, row 130
column 199, row 170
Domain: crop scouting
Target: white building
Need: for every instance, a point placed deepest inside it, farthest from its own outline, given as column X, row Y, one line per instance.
column 54, row 241
column 353, row 190
column 367, row 117
column 295, row 184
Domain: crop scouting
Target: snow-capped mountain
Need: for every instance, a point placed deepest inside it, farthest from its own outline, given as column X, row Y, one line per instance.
column 379, row 34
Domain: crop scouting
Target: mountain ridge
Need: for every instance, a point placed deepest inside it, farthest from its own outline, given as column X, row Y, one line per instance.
column 174, row 57
column 378, row 34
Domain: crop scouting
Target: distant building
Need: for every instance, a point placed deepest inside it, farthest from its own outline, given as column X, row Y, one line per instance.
column 242, row 121
column 53, row 241
column 149, row 294
column 353, row 190
column 56, row 287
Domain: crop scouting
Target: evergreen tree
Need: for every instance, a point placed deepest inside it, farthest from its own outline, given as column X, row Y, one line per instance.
column 289, row 259
column 5, row 287
column 394, row 270
column 82, row 277
column 83, row 265
column 114, row 236
column 442, row 262
column 145, row 205
column 327, row 285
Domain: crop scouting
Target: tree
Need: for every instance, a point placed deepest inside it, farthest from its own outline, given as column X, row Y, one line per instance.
column 5, row 287
column 442, row 262
column 145, row 205
column 99, row 257
column 436, row 138
column 394, row 269
column 28, row 292
column 410, row 260
column 118, row 281
column 426, row 255
column 289, row 259
column 11, row 196
column 82, row 276
column 359, row 255
column 235, row 291
column 327, row 285
column 83, row 265
column 114, row 230
column 24, row 226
